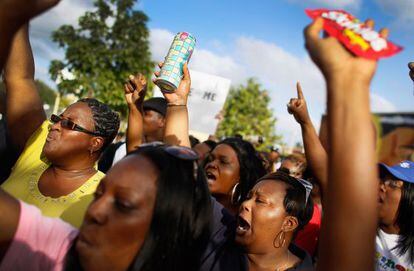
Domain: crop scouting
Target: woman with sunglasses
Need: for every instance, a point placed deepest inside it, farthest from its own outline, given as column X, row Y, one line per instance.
column 233, row 166
column 56, row 169
column 269, row 216
column 150, row 212
column 261, row 238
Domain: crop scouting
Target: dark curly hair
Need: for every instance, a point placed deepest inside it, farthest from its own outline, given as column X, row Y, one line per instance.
column 251, row 166
column 106, row 120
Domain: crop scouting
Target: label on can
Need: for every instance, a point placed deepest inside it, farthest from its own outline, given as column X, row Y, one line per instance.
column 180, row 52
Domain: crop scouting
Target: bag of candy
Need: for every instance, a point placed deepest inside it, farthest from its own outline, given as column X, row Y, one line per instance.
column 361, row 40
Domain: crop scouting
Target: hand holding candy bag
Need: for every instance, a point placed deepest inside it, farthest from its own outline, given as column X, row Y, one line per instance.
column 361, row 40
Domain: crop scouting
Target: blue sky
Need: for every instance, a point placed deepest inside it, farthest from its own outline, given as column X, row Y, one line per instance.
column 261, row 39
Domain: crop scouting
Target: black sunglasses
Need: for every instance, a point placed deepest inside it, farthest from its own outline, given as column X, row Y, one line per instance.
column 68, row 124
column 184, row 153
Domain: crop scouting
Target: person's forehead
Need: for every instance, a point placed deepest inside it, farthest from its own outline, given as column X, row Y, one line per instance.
column 271, row 187
column 136, row 173
column 153, row 112
column 226, row 150
column 78, row 111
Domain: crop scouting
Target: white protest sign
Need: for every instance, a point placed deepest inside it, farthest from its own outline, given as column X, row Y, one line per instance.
column 207, row 97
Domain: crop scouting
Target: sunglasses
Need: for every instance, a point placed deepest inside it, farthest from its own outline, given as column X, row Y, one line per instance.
column 70, row 125
column 183, row 153
column 308, row 188
column 393, row 184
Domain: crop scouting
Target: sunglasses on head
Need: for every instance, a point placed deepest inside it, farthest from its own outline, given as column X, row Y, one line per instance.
column 308, row 188
column 183, row 153
column 70, row 125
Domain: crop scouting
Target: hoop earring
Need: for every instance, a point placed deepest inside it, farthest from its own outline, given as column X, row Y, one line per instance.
column 280, row 237
column 235, row 195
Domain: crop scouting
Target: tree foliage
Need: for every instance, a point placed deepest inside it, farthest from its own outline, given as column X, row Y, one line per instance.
column 247, row 113
column 110, row 43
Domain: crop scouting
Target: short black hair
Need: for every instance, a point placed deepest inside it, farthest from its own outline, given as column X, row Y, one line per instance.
column 193, row 141
column 295, row 199
column 210, row 143
column 105, row 119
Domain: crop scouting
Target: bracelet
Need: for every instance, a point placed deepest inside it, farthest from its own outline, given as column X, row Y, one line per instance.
column 172, row 104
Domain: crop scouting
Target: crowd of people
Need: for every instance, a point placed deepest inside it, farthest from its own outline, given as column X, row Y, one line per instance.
column 162, row 200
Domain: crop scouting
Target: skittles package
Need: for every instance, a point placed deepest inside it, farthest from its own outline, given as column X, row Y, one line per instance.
column 361, row 40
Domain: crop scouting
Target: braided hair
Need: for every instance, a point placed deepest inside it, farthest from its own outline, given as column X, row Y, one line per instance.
column 105, row 119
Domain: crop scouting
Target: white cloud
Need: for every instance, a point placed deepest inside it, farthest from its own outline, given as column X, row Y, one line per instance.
column 160, row 41
column 349, row 4
column 280, row 69
column 403, row 10
column 202, row 60
column 274, row 67
column 66, row 12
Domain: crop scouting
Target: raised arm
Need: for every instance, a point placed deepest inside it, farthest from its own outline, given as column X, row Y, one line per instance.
column 14, row 14
column 350, row 219
column 10, row 211
column 135, row 91
column 316, row 156
column 176, row 120
column 24, row 107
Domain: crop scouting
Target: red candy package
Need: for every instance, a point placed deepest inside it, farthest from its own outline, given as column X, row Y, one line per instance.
column 354, row 35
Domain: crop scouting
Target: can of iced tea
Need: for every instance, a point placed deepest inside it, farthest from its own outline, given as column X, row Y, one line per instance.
column 180, row 52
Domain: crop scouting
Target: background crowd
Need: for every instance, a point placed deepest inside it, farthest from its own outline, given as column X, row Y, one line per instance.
column 163, row 200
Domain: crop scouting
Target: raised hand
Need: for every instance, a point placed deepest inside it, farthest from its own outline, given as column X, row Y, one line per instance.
column 334, row 60
column 180, row 95
column 24, row 10
column 298, row 108
column 135, row 90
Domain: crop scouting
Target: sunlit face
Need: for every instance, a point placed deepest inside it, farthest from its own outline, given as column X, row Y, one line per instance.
column 62, row 143
column 117, row 221
column 389, row 199
column 222, row 170
column 262, row 216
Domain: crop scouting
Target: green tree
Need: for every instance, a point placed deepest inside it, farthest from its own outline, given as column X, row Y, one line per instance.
column 246, row 112
column 110, row 43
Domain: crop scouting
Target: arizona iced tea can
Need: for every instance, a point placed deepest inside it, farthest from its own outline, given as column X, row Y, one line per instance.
column 180, row 52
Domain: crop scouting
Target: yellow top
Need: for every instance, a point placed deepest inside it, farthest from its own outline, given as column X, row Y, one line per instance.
column 23, row 183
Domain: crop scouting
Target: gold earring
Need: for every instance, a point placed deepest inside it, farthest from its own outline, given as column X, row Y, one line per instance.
column 281, row 240
column 235, row 200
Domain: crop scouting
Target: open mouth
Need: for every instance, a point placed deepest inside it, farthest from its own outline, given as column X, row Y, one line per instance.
column 242, row 225
column 211, row 176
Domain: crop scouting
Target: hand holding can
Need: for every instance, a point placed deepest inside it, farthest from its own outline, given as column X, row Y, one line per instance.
column 180, row 52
